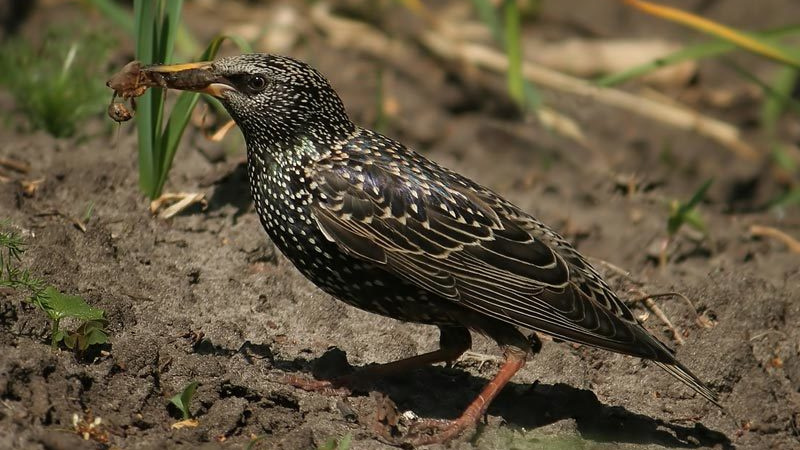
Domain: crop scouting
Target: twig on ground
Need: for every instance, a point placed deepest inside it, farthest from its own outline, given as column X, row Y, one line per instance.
column 767, row 333
column 651, row 305
column 16, row 166
column 183, row 200
column 349, row 33
column 764, row 231
column 683, row 118
column 29, row 187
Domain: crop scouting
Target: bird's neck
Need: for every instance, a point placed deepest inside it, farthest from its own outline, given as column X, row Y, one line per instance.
column 281, row 143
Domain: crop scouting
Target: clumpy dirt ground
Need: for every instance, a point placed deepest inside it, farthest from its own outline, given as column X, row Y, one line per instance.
column 204, row 296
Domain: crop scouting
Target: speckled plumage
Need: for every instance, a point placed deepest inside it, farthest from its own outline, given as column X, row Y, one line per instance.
column 383, row 228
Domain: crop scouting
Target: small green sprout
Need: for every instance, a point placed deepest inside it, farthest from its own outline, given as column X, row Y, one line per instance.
column 58, row 306
column 89, row 212
column 681, row 214
column 183, row 398
column 91, row 332
column 342, row 443
column 685, row 213
column 53, row 302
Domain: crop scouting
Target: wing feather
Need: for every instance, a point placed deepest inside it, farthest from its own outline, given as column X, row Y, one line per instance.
column 466, row 244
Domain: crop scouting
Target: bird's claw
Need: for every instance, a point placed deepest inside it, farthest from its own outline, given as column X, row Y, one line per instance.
column 434, row 431
column 407, row 430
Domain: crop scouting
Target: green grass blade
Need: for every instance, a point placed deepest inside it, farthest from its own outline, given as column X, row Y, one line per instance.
column 511, row 29
column 780, row 95
column 170, row 27
column 682, row 212
column 698, row 196
column 176, row 125
column 779, row 99
column 157, row 97
column 507, row 32
column 170, row 11
column 144, row 18
column 693, row 52
column 183, row 399
column 747, row 41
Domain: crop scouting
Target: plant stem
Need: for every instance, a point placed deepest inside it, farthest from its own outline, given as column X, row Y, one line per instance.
column 53, row 341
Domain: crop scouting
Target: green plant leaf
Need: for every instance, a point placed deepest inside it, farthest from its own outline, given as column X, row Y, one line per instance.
column 699, row 195
column 342, row 443
column 59, row 305
column 144, row 20
column 680, row 213
column 345, row 442
column 59, row 336
column 694, row 220
column 90, row 333
column 182, row 399
column 169, row 27
column 779, row 98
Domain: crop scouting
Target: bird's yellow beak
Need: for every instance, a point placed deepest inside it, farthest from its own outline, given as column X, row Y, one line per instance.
column 195, row 76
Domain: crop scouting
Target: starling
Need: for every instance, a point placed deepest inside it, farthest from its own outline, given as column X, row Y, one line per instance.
column 382, row 228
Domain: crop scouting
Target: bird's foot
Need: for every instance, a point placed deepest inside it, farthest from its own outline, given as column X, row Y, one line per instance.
column 437, row 431
column 337, row 387
column 408, row 430
column 431, row 431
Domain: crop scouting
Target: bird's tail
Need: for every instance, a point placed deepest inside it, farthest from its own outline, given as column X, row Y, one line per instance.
column 679, row 371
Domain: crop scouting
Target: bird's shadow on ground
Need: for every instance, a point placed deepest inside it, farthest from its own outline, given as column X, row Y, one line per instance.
column 440, row 392
column 231, row 188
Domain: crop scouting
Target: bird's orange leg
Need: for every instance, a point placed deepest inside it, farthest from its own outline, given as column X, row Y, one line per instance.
column 444, row 430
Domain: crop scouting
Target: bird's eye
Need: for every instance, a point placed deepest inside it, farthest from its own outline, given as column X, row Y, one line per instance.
column 257, row 83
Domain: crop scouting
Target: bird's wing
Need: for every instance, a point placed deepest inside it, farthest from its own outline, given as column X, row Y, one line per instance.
column 461, row 241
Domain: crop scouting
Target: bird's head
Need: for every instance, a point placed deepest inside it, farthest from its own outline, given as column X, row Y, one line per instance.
column 270, row 97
